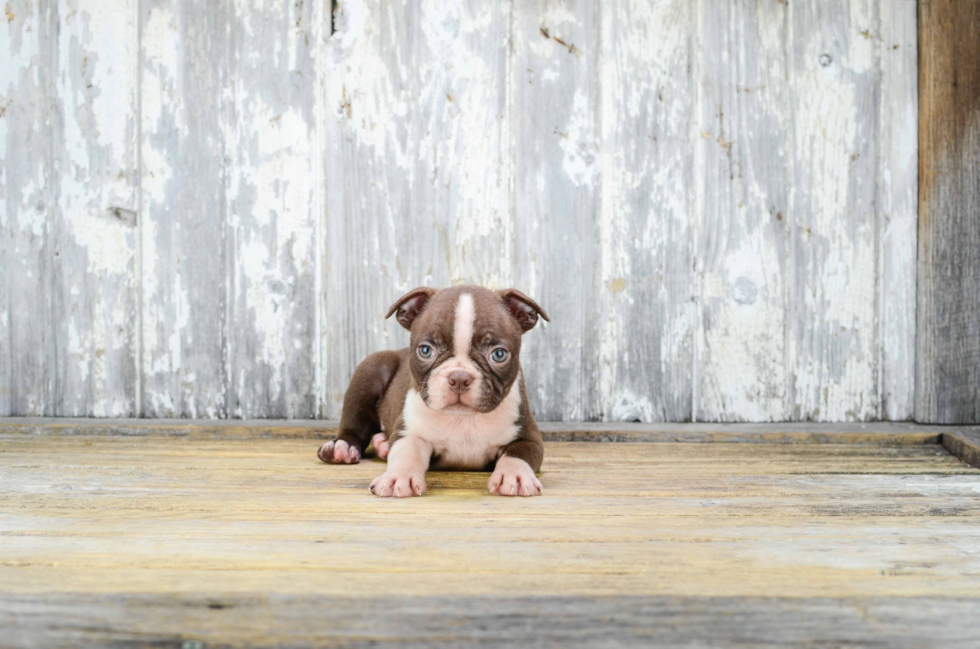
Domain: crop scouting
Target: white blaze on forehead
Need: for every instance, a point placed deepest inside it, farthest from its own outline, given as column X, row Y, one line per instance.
column 440, row 394
column 463, row 327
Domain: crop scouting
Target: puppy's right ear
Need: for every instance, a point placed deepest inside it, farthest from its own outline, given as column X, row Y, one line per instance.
column 410, row 305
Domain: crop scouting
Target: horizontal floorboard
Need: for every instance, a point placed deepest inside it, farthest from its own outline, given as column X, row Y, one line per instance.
column 62, row 621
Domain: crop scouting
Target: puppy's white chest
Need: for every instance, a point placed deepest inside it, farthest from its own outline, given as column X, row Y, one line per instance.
column 468, row 441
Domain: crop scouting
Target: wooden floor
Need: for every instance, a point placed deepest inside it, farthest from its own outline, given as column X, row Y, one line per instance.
column 244, row 541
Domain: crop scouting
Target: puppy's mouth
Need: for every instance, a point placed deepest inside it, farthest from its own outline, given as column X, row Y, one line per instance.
column 459, row 408
column 456, row 407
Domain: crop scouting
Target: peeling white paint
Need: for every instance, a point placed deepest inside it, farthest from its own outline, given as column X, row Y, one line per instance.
column 31, row 217
column 646, row 121
column 744, row 125
column 159, row 102
column 897, row 140
column 626, row 406
column 94, row 244
column 836, row 368
column 271, row 195
column 578, row 143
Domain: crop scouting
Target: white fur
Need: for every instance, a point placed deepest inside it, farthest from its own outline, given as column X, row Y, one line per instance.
column 463, row 326
column 440, row 394
column 468, row 440
column 514, row 477
column 408, row 460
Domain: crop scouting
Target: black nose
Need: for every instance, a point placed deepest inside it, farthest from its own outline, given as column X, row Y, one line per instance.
column 459, row 381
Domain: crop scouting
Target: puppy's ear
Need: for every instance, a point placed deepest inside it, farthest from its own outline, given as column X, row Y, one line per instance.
column 524, row 309
column 410, row 305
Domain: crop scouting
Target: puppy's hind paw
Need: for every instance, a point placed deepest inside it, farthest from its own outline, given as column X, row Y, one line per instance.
column 381, row 446
column 339, row 452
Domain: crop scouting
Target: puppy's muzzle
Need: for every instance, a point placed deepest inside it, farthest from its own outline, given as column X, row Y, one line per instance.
column 460, row 381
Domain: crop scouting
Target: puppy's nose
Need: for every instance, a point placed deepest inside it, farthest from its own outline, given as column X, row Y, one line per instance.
column 459, row 381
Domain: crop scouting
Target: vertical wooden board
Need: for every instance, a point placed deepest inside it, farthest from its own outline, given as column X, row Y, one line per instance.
column 948, row 327
column 27, row 204
column 897, row 207
column 644, row 298
column 416, row 163
column 94, row 288
column 743, row 239
column 183, row 258
column 271, row 139
column 833, row 216
column 556, row 162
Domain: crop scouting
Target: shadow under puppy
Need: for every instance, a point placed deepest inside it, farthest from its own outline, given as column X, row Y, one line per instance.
column 453, row 399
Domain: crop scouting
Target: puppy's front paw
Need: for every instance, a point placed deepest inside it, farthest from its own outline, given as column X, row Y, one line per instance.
column 339, row 452
column 514, row 477
column 399, row 484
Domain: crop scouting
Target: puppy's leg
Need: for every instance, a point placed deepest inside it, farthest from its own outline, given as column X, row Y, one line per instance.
column 408, row 461
column 359, row 419
column 514, row 473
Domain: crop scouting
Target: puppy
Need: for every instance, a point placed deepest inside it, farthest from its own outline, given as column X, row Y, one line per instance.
column 454, row 399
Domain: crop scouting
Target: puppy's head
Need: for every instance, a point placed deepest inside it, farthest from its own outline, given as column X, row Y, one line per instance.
column 466, row 343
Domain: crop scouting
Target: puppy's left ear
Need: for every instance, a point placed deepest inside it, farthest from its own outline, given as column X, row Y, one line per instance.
column 524, row 309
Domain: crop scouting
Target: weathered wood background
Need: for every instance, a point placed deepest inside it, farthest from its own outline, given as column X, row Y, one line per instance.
column 206, row 208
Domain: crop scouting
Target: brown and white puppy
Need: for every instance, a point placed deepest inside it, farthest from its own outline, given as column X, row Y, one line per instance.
column 454, row 399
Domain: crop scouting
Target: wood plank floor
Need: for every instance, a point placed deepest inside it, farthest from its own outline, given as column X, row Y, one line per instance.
column 157, row 541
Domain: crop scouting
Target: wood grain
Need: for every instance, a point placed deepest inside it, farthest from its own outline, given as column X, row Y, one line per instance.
column 71, row 621
column 833, row 217
column 646, row 313
column 948, row 325
column 964, row 444
column 184, row 258
column 785, row 209
column 209, row 538
column 27, row 211
column 271, row 210
column 745, row 261
column 555, row 115
column 94, row 285
column 897, row 188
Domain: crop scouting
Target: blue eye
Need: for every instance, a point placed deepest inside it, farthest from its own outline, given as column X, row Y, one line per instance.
column 498, row 355
column 425, row 351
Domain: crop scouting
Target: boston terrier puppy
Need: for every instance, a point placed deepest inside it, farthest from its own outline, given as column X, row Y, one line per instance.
column 454, row 399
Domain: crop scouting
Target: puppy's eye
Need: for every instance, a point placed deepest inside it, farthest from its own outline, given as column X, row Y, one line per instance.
column 498, row 355
column 425, row 351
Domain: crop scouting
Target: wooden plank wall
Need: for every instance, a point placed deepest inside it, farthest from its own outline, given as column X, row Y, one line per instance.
column 206, row 210
column 948, row 342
